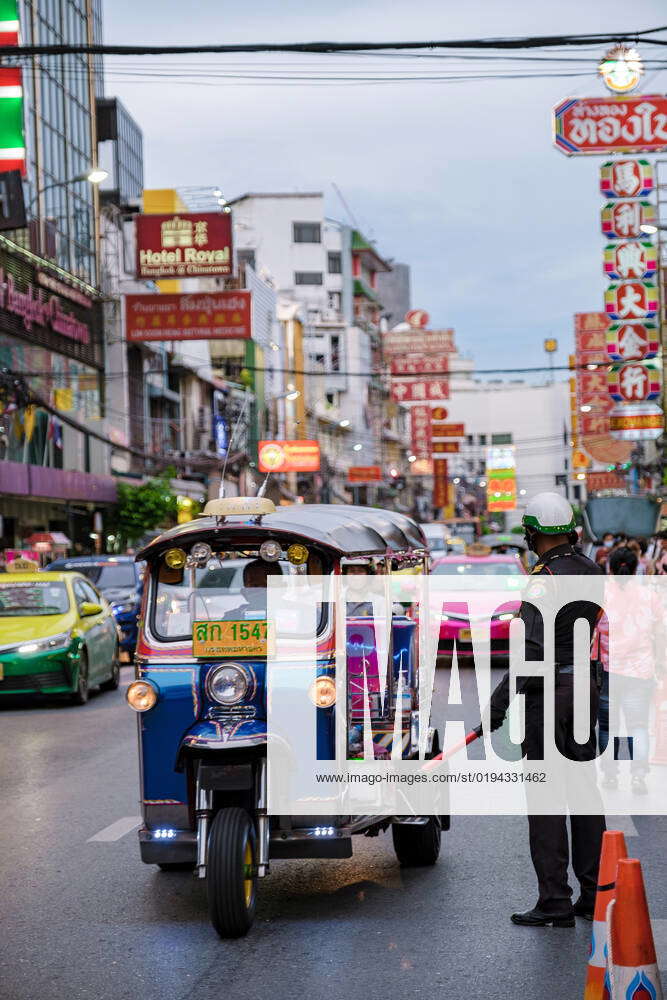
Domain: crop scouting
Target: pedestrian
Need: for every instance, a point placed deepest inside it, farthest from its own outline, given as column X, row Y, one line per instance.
column 603, row 551
column 632, row 671
column 660, row 560
column 639, row 547
column 550, row 532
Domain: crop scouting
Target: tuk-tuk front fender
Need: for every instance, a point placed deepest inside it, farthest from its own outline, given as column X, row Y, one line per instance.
column 211, row 734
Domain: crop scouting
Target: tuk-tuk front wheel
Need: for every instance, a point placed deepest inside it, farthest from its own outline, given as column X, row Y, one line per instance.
column 231, row 872
column 417, row 845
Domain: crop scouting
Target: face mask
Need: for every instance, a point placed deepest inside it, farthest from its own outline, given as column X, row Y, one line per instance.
column 608, row 542
column 529, row 539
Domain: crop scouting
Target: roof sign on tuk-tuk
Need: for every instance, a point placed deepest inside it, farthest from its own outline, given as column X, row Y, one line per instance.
column 239, row 506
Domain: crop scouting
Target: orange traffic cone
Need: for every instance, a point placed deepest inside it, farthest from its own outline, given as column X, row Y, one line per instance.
column 633, row 970
column 613, row 849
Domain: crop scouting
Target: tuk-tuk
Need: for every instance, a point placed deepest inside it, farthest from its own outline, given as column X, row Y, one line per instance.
column 202, row 706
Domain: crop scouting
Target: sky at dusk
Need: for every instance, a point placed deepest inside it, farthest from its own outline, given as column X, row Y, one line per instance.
column 459, row 179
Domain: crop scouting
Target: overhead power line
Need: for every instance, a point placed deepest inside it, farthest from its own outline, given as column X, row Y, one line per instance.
column 520, row 42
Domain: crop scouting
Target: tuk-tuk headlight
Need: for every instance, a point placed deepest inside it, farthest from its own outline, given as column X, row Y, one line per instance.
column 227, row 684
column 175, row 558
column 141, row 695
column 323, row 692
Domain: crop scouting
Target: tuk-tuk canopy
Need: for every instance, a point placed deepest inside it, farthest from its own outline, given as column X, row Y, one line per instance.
column 342, row 528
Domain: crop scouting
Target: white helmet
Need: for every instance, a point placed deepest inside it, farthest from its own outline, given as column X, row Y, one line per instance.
column 549, row 514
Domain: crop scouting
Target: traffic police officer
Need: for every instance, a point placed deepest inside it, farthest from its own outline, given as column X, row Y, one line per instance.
column 550, row 533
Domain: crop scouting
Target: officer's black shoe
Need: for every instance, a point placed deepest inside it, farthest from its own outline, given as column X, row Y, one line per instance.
column 584, row 908
column 538, row 918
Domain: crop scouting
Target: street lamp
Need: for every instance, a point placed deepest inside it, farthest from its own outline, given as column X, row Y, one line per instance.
column 344, row 423
column 94, row 175
column 651, row 230
column 357, row 447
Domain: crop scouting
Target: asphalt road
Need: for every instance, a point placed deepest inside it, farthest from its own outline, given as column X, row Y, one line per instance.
column 84, row 918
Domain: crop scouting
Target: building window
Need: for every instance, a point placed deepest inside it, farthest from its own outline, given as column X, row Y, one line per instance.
column 306, row 232
column 501, row 439
column 333, row 301
column 335, row 264
column 246, row 257
column 307, row 277
column 335, row 353
column 481, row 439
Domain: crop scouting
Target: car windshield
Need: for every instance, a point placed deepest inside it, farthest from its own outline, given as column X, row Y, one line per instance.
column 218, row 595
column 436, row 543
column 483, row 568
column 18, row 598
column 108, row 576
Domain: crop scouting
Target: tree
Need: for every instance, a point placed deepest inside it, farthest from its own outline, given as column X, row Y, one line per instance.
column 143, row 508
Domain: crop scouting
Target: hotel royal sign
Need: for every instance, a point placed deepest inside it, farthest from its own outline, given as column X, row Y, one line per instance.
column 184, row 245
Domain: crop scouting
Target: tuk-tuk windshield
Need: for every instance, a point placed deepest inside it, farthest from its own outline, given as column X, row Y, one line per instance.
column 223, row 590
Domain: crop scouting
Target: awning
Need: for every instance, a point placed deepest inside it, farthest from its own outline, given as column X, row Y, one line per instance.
column 56, row 539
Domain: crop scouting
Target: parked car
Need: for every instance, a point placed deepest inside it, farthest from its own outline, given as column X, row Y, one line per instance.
column 57, row 636
column 436, row 536
column 119, row 578
column 501, row 606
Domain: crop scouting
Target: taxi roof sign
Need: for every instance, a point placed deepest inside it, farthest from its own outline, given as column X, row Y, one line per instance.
column 21, row 565
column 239, row 506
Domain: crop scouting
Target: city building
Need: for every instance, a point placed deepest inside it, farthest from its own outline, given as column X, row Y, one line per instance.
column 332, row 272
column 395, row 292
column 533, row 419
column 54, row 457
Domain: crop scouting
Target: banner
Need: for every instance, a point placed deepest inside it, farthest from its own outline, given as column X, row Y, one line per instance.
column 289, row 456
column 364, row 474
column 198, row 316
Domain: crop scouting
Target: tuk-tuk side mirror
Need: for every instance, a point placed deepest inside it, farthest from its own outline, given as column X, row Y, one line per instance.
column 88, row 608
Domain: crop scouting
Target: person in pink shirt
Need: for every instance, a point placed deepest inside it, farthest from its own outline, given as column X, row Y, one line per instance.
column 634, row 665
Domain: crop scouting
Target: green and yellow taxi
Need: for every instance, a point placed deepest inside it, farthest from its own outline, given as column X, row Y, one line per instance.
column 57, row 635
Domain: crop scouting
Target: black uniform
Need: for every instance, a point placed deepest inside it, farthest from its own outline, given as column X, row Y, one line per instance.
column 548, row 834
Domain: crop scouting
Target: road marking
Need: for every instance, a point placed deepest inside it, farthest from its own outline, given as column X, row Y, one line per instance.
column 623, row 823
column 117, row 830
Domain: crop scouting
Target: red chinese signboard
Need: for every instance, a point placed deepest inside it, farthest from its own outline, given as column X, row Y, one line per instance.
column 591, row 330
column 447, row 430
column 199, row 316
column 419, row 364
column 417, row 390
column 420, row 430
column 637, row 422
column 626, row 178
column 632, row 259
column 440, row 484
column 632, row 300
column 635, row 382
column 364, row 474
column 419, row 341
column 289, row 456
column 622, row 220
column 605, row 481
column 417, row 318
column 184, row 246
column 624, row 124
column 632, row 341
column 439, row 448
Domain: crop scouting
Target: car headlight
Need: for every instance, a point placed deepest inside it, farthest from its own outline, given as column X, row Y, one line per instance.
column 141, row 695
column 323, row 692
column 227, row 684
column 123, row 609
column 48, row 645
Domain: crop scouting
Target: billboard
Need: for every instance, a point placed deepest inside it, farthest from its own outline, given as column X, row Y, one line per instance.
column 364, row 474
column 417, row 340
column 626, row 178
column 289, row 456
column 420, row 430
column 198, row 316
column 623, row 124
column 418, row 390
column 184, row 246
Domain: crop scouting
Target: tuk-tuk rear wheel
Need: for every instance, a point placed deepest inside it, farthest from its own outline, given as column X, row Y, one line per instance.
column 417, row 846
column 231, row 872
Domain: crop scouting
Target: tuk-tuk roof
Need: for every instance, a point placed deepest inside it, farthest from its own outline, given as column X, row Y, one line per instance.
column 345, row 528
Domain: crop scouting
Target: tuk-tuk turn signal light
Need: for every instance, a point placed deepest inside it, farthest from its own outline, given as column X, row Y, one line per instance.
column 297, row 554
column 175, row 558
column 323, row 692
column 270, row 550
column 141, row 695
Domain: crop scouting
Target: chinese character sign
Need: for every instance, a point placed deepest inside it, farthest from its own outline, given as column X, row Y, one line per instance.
column 420, row 430
column 418, row 390
column 622, row 220
column 632, row 300
column 635, row 382
column 632, row 341
column 634, row 259
column 198, row 316
column 184, row 246
column 626, row 178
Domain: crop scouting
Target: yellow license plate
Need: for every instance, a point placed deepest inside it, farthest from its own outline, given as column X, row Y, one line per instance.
column 465, row 635
column 230, row 638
